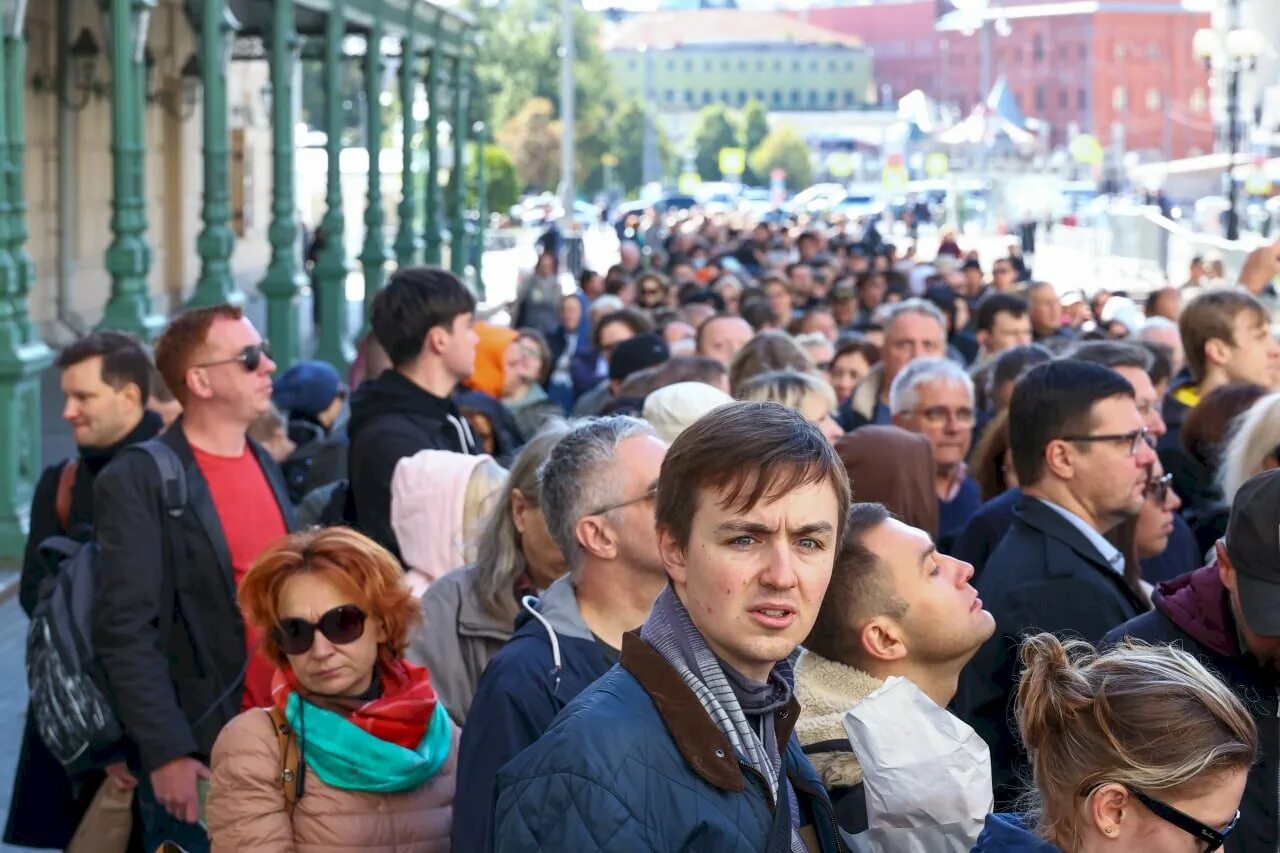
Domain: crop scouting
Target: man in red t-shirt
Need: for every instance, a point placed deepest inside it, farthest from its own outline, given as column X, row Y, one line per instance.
column 176, row 690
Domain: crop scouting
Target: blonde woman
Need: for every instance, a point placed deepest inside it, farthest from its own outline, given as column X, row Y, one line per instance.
column 803, row 392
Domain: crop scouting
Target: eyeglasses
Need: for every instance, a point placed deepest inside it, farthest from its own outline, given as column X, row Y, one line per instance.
column 1214, row 838
column 649, row 494
column 1134, row 439
column 1157, row 489
column 340, row 626
column 251, row 357
column 939, row 415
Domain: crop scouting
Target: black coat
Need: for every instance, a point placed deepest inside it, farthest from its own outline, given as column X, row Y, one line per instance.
column 1193, row 612
column 162, row 686
column 392, row 418
column 1044, row 576
column 47, row 804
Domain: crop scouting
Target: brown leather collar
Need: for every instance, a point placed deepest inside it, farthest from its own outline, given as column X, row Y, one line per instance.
column 703, row 746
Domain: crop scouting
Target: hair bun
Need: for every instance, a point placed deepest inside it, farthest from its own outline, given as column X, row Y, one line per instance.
column 1052, row 689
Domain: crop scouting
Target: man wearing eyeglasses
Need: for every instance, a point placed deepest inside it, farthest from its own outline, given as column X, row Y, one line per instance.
column 597, row 489
column 913, row 328
column 934, row 397
column 175, row 688
column 1082, row 455
column 1227, row 614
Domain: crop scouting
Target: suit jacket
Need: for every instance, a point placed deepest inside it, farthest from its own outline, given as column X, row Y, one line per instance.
column 173, row 693
column 1045, row 575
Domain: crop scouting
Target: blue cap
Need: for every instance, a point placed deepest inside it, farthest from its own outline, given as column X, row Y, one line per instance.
column 307, row 388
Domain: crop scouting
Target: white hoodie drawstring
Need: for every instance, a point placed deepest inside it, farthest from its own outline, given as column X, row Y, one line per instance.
column 528, row 603
column 463, row 429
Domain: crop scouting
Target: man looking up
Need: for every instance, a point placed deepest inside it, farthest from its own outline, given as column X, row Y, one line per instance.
column 895, row 607
column 913, row 328
column 597, row 493
column 688, row 744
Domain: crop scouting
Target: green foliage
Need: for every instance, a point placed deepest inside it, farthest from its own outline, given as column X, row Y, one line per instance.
column 784, row 149
column 755, row 127
column 629, row 136
column 713, row 129
column 502, row 187
column 532, row 139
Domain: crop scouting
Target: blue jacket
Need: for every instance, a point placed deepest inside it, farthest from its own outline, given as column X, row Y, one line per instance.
column 1011, row 833
column 521, row 691
column 636, row 764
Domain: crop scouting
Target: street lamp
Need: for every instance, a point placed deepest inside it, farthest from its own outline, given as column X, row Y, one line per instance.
column 1235, row 52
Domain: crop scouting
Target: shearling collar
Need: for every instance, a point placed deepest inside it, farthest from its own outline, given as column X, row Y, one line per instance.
column 826, row 691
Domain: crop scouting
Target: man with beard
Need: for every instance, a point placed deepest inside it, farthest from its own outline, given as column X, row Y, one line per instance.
column 1082, row 454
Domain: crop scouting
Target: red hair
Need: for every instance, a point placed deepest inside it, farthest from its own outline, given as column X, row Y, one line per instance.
column 178, row 344
column 350, row 561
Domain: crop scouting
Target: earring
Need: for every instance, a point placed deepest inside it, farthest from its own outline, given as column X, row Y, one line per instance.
column 1109, row 830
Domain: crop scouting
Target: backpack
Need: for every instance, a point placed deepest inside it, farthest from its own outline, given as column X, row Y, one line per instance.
column 70, row 702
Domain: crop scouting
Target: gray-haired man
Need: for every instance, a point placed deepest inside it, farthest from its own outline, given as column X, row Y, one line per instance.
column 597, row 489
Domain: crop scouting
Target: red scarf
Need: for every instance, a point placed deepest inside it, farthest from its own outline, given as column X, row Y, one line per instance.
column 399, row 715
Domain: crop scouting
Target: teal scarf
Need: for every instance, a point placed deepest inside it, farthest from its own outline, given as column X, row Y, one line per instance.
column 347, row 757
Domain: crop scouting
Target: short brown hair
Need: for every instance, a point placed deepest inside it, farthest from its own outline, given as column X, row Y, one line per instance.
column 748, row 452
column 351, row 561
column 124, row 359
column 857, row 592
column 182, row 339
column 765, row 352
column 1213, row 315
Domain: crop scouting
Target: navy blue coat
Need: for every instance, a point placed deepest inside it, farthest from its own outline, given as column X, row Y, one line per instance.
column 518, row 696
column 636, row 764
column 1011, row 833
column 1044, row 576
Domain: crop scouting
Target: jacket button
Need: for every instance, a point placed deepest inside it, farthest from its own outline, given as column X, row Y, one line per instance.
column 719, row 753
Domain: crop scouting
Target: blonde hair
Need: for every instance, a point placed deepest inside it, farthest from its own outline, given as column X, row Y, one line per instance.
column 1151, row 718
column 483, row 490
column 791, row 388
column 1252, row 438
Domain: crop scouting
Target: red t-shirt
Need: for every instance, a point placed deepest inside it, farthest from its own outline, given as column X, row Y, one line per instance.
column 251, row 520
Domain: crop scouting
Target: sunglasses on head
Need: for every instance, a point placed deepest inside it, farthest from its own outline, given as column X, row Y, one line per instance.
column 251, row 357
column 340, row 626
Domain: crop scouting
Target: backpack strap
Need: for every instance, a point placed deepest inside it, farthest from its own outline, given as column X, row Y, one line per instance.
column 62, row 498
column 290, row 758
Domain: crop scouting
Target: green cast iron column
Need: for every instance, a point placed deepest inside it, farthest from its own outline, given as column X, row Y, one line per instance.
column 374, row 255
column 215, row 285
column 331, row 266
column 22, row 355
column 432, row 224
column 482, row 209
column 408, row 243
column 459, row 249
column 129, row 255
column 284, row 279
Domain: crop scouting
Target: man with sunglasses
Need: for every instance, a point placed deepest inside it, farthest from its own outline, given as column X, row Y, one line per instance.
column 597, row 489
column 167, row 628
column 1227, row 614
column 1082, row 454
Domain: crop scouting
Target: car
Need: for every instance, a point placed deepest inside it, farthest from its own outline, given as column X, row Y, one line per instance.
column 819, row 197
column 858, row 205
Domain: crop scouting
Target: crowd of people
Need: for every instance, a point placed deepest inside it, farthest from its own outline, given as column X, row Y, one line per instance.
column 698, row 553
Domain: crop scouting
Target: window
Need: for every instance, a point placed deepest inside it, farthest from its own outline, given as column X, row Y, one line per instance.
column 1153, row 100
column 1120, row 99
column 689, row 97
column 849, row 98
column 1040, row 99
column 1037, row 48
column 1198, row 100
column 795, row 97
column 813, row 66
column 742, row 98
column 760, row 96
column 831, row 66
column 813, row 97
column 725, row 97
column 706, row 96
column 777, row 98
column 831, row 98
column 671, row 96
column 1082, row 100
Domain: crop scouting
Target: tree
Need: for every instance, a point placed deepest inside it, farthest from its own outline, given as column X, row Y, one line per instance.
column 755, row 127
column 784, row 149
column 532, row 139
column 712, row 130
column 502, row 186
column 629, row 136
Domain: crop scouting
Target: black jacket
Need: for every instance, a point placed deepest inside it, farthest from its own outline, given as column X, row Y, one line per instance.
column 163, row 685
column 1193, row 613
column 1044, row 576
column 392, row 418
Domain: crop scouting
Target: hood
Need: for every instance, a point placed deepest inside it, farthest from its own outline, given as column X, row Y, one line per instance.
column 889, row 465
column 1178, row 400
column 1197, row 603
column 826, row 690
column 1011, row 833
column 392, row 394
column 865, row 394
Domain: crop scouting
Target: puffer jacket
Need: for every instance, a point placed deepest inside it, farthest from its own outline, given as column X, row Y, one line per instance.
column 246, row 807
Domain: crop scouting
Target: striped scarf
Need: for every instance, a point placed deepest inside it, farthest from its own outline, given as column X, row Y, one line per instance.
column 671, row 633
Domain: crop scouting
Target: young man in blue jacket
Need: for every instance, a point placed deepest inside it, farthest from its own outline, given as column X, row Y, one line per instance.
column 687, row 744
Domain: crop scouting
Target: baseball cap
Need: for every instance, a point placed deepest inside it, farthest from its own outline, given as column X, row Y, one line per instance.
column 636, row 354
column 1253, row 546
column 672, row 409
column 307, row 388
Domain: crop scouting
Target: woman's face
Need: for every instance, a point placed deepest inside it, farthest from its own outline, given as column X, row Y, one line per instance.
column 328, row 668
column 1139, row 830
column 846, row 372
column 541, row 553
column 652, row 293
column 1155, row 519
column 546, row 264
column 815, row 408
column 571, row 313
column 871, row 294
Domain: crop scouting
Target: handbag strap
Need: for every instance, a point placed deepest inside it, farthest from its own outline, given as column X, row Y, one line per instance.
column 290, row 758
column 62, row 498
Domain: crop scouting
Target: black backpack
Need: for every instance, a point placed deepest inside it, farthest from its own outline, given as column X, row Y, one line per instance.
column 70, row 700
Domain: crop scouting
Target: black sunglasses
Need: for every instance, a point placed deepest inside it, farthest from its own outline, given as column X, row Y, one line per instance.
column 340, row 626
column 251, row 356
column 1158, row 489
column 1215, row 838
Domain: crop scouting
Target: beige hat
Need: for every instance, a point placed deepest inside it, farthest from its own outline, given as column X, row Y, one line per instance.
column 672, row 409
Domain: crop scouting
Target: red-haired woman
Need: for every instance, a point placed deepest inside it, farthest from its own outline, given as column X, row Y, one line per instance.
column 356, row 753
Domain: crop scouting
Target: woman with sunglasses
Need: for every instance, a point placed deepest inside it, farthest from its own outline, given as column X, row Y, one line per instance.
column 1146, row 535
column 1136, row 750
column 356, row 751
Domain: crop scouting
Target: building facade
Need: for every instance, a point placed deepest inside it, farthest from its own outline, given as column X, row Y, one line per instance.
column 683, row 60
